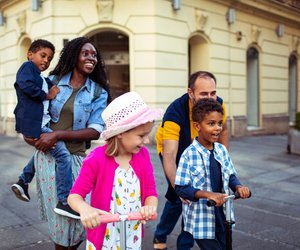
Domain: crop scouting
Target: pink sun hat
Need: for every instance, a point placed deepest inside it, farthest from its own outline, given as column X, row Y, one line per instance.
column 127, row 112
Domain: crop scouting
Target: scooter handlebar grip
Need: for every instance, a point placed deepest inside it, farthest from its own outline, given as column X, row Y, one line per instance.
column 108, row 218
column 211, row 203
column 138, row 216
column 237, row 195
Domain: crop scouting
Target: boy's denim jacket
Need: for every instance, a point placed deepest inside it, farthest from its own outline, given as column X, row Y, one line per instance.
column 87, row 112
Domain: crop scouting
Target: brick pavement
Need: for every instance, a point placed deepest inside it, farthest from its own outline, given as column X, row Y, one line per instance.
column 269, row 220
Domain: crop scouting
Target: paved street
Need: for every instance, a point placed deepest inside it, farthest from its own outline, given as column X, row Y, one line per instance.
column 269, row 220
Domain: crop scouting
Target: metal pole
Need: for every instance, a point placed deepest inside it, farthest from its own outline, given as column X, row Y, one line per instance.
column 228, row 206
column 123, row 232
column 229, row 222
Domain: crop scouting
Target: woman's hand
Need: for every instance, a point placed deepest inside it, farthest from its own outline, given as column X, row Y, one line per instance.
column 46, row 141
column 29, row 140
column 184, row 201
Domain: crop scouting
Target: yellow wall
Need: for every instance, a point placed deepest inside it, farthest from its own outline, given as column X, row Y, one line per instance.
column 158, row 45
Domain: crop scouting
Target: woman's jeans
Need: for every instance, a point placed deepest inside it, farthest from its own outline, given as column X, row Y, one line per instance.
column 168, row 219
column 219, row 243
column 63, row 173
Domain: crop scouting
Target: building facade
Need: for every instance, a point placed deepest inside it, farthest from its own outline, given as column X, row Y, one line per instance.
column 151, row 46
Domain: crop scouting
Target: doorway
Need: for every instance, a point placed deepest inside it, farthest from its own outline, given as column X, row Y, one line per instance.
column 114, row 47
column 293, row 79
column 198, row 54
column 252, row 88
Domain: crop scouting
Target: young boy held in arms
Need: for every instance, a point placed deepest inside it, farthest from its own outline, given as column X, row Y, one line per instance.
column 34, row 92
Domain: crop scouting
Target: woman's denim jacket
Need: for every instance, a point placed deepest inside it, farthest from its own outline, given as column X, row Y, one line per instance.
column 87, row 112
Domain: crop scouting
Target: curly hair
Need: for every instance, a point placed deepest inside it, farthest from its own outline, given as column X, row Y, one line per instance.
column 205, row 106
column 39, row 44
column 69, row 57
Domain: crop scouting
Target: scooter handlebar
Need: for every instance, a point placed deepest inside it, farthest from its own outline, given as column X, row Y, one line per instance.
column 237, row 196
column 138, row 216
column 108, row 218
column 211, row 203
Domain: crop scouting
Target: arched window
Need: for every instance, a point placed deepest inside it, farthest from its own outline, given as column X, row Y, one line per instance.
column 293, row 79
column 253, row 87
column 24, row 46
column 198, row 54
column 114, row 47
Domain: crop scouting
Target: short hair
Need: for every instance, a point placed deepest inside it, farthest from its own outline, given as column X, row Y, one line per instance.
column 205, row 106
column 38, row 44
column 200, row 74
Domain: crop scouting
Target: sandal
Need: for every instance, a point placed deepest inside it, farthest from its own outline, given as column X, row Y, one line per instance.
column 159, row 245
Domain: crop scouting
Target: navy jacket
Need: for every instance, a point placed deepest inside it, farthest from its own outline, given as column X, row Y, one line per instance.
column 29, row 109
column 178, row 112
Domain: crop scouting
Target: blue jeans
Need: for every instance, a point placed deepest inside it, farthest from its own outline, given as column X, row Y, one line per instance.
column 219, row 243
column 168, row 219
column 63, row 173
column 167, row 223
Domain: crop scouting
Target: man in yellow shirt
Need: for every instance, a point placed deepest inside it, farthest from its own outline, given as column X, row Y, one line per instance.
column 173, row 136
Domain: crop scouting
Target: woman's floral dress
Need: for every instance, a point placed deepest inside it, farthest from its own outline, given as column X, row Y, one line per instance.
column 63, row 230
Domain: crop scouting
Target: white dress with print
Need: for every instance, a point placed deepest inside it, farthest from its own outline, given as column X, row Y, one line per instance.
column 126, row 198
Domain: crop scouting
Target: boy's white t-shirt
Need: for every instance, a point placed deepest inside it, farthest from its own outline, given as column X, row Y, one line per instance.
column 46, row 116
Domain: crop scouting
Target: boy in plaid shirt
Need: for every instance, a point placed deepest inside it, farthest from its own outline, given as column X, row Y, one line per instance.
column 205, row 171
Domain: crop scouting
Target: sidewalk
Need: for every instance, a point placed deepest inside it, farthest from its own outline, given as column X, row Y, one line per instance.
column 269, row 220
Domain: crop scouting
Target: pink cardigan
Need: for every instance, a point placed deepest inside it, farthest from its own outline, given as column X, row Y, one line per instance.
column 97, row 176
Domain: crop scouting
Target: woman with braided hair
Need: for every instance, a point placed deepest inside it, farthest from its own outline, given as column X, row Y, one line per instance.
column 76, row 118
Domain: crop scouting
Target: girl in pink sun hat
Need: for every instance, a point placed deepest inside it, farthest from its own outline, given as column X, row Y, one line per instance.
column 119, row 174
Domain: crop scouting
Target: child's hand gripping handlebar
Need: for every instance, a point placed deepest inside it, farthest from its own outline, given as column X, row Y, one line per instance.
column 108, row 218
column 122, row 218
column 235, row 196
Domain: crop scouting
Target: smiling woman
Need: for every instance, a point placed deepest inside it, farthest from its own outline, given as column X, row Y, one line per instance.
column 76, row 118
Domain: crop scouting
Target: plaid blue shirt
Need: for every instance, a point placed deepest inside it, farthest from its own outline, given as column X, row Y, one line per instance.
column 193, row 170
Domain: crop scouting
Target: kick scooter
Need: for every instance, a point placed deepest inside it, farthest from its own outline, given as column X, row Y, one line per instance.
column 122, row 218
column 228, row 222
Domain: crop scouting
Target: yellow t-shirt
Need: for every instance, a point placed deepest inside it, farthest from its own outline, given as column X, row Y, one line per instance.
column 171, row 130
